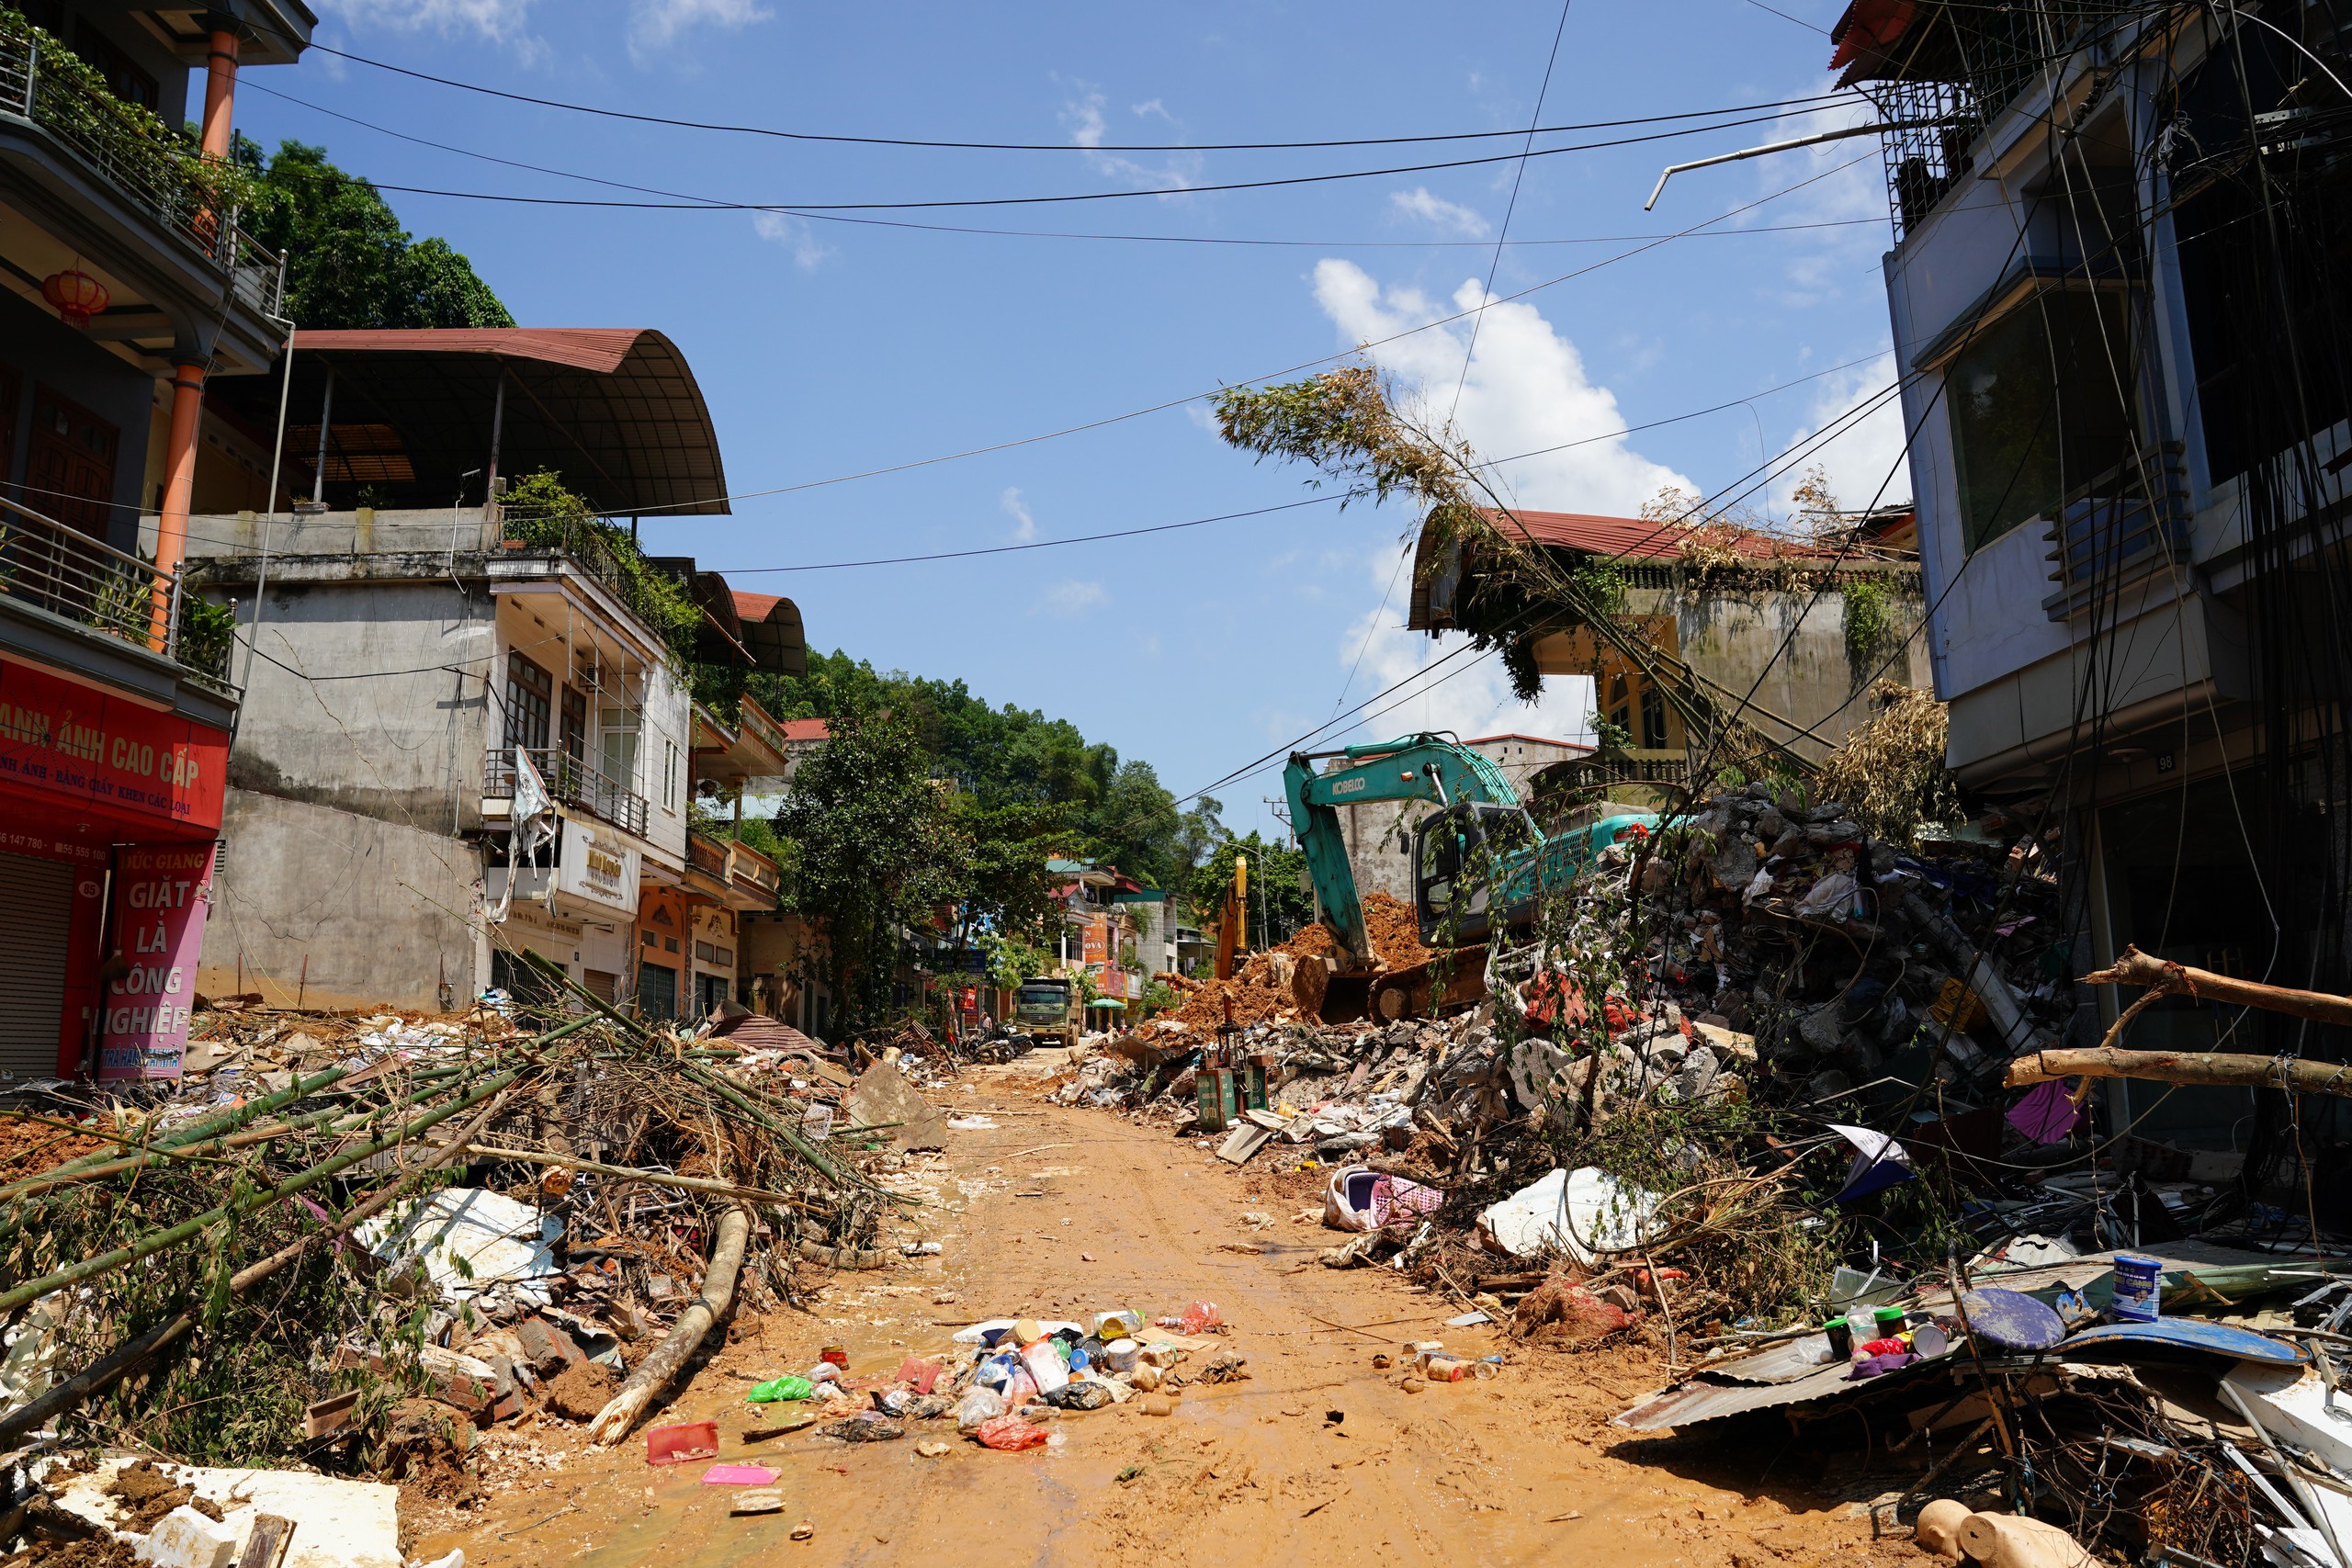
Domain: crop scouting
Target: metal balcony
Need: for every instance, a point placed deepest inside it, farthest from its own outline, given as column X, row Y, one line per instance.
column 51, row 566
column 2121, row 527
column 570, row 781
column 136, row 155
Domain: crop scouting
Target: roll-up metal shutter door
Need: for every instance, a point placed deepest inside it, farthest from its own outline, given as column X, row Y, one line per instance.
column 36, row 903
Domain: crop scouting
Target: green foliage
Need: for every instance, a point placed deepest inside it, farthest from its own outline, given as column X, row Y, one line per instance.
column 540, row 510
column 1005, row 887
column 874, row 847
column 1092, row 804
column 348, row 261
column 208, row 632
column 1159, row 996
column 1012, row 961
column 1869, row 624
column 1280, row 904
column 75, row 101
column 1609, row 737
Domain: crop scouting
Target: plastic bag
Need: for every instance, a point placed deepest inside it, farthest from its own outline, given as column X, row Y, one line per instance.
column 980, row 1406
column 1045, row 1364
column 785, row 1387
column 1200, row 1317
column 1084, row 1394
column 1011, row 1433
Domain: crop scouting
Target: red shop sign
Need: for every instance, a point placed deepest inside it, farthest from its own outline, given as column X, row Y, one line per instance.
column 74, row 743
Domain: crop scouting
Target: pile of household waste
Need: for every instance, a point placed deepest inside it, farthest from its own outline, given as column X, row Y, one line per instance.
column 2041, row 1409
column 1003, row 1383
column 400, row 1227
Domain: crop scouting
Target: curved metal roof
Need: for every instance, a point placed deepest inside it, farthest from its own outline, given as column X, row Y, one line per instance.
column 615, row 410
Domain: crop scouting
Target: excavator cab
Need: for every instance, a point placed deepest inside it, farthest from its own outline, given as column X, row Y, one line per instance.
column 1471, row 862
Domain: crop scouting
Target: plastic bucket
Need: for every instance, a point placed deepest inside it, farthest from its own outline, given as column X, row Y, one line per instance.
column 2138, row 1289
column 1120, row 1355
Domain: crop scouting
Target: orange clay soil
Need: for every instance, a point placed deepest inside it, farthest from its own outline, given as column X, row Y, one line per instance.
column 1317, row 1457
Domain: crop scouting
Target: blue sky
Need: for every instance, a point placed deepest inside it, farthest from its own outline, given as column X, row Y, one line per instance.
column 828, row 348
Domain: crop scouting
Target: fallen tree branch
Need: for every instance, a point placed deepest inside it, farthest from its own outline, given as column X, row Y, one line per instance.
column 2136, row 968
column 653, row 1373
column 651, row 1178
column 2229, row 1070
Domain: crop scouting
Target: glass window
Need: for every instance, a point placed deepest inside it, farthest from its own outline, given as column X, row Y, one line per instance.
column 2039, row 406
column 530, row 693
column 617, row 741
column 1653, row 718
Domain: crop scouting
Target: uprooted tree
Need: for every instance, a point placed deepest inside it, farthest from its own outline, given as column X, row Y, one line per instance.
column 1349, row 425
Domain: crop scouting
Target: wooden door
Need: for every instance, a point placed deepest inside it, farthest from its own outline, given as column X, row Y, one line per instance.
column 69, row 467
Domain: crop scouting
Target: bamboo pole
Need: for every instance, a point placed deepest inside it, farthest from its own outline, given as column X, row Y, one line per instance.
column 2136, row 968
column 2229, row 1070
column 629, row 1173
column 653, row 1373
column 110, row 1368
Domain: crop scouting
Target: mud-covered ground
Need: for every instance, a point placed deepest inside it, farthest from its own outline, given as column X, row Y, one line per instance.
column 1317, row 1458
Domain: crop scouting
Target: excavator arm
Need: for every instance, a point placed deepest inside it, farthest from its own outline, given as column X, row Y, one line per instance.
column 1417, row 767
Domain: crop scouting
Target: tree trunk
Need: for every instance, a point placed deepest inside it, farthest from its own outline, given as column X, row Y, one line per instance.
column 2136, row 968
column 2183, row 1067
column 653, row 1373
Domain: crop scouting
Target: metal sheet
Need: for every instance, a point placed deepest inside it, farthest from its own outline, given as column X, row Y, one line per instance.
column 2191, row 1334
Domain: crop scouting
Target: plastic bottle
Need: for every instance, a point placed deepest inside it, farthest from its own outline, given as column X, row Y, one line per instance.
column 1043, row 1358
column 1021, row 1391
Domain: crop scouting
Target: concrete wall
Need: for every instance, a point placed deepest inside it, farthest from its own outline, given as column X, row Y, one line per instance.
column 44, row 352
column 1729, row 636
column 403, row 744
column 381, row 911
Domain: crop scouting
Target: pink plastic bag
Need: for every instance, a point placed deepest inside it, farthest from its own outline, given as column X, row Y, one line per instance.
column 739, row 1475
column 1200, row 1317
column 1011, row 1434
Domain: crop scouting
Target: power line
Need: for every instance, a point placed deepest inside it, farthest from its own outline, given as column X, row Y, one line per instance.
column 800, row 207
column 770, row 132
column 1036, row 233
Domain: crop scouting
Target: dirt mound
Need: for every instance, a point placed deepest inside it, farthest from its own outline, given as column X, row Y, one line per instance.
column 1396, row 933
column 581, row 1392
column 97, row 1551
column 143, row 1495
column 27, row 1148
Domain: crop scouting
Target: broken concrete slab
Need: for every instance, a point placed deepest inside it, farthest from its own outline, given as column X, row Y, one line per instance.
column 884, row 1098
column 336, row 1523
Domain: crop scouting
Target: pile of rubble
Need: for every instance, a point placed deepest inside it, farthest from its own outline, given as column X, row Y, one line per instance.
column 409, row 1225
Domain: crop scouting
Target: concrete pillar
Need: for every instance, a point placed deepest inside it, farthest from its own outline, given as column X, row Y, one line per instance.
column 219, row 92
column 179, row 487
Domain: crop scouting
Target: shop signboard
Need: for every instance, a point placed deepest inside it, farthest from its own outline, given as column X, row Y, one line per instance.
column 161, row 894
column 598, row 867
column 71, row 743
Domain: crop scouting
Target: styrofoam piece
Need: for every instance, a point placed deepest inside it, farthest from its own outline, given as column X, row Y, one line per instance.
column 337, row 1523
column 186, row 1539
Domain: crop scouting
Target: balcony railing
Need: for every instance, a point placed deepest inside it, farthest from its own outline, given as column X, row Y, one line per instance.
column 53, row 567
column 2122, row 526
column 570, row 781
column 137, row 156
column 707, row 855
column 753, row 870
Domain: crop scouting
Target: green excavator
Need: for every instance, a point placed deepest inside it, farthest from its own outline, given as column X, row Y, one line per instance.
column 1479, row 862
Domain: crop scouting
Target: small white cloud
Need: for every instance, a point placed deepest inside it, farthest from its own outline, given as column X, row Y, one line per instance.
column 1083, row 115
column 656, row 24
column 1070, row 598
column 1024, row 526
column 1866, row 460
column 1447, row 217
column 497, row 21
column 1149, row 108
column 794, row 235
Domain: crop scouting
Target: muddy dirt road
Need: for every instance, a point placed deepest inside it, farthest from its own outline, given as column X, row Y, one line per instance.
column 1317, row 1458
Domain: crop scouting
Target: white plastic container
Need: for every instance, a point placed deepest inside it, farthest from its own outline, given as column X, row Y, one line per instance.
column 1045, row 1365
column 1120, row 1355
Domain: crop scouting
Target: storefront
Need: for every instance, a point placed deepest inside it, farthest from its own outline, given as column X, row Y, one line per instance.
column 109, row 810
column 664, row 931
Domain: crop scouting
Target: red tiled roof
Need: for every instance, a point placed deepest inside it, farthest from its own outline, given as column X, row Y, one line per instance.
column 1634, row 538
column 806, row 728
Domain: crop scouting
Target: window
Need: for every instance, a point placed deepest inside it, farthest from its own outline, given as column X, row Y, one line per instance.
column 125, row 80
column 530, row 693
column 669, row 774
column 617, row 729
column 2040, row 408
column 1653, row 719
column 650, row 939
column 574, row 740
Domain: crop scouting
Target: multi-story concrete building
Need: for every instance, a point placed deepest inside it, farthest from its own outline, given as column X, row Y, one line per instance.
column 126, row 287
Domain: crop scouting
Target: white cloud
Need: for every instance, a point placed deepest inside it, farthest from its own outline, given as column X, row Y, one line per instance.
column 656, row 24
column 795, row 234
column 497, row 21
column 1470, row 695
column 1838, row 183
column 1149, row 108
column 1024, row 526
column 1083, row 115
column 1861, row 458
column 1447, row 217
column 1070, row 598
column 1526, row 390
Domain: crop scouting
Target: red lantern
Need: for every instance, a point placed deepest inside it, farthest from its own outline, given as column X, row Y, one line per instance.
column 76, row 294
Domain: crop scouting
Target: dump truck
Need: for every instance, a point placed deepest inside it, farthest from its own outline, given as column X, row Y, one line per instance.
column 1040, row 1010
column 1479, row 862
